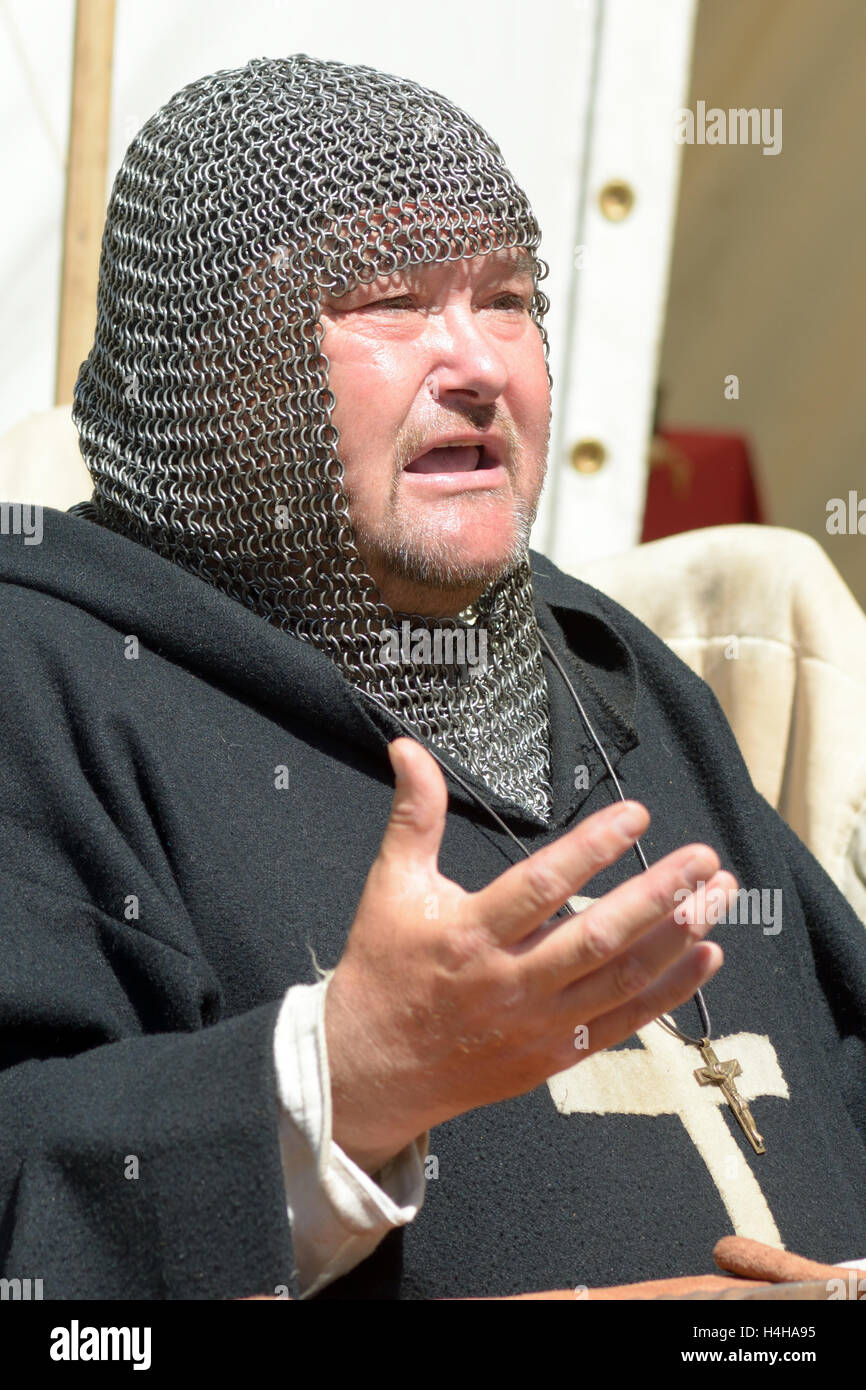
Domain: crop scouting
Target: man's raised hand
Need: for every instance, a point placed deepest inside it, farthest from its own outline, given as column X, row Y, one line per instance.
column 445, row 1000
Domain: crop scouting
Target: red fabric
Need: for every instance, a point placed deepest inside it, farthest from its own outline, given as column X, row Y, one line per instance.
column 698, row 478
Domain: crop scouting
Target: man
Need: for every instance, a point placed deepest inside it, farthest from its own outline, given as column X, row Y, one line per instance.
column 319, row 385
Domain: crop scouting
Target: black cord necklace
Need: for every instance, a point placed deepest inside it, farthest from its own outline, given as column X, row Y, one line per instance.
column 664, row 1019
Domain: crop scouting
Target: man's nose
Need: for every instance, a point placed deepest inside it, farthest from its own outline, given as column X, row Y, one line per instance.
column 465, row 356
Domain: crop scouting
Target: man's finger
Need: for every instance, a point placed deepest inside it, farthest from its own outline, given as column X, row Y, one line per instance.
column 640, row 966
column 675, row 987
column 530, row 892
column 615, row 923
column 416, row 825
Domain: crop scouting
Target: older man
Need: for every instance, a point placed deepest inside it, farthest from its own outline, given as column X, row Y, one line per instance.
column 316, row 415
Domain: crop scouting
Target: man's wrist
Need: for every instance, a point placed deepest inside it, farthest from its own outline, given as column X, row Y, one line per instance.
column 338, row 1211
column 356, row 1118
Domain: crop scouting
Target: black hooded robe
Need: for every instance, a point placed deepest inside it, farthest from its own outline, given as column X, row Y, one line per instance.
column 190, row 803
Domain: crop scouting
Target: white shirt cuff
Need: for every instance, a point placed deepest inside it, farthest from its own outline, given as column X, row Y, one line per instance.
column 337, row 1212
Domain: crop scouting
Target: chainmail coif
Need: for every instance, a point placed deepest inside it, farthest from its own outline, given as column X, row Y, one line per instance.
column 204, row 411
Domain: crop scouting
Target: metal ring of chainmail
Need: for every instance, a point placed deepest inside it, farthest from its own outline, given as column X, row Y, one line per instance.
column 204, row 411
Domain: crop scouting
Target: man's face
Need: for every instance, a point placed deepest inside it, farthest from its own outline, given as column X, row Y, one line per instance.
column 443, row 411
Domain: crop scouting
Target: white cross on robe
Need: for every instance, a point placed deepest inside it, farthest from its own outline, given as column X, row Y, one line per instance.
column 658, row 1079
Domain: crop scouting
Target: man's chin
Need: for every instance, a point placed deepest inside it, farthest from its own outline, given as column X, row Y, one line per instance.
column 445, row 567
column 452, row 558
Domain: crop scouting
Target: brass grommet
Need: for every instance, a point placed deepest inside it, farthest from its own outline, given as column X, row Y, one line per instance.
column 616, row 200
column 588, row 455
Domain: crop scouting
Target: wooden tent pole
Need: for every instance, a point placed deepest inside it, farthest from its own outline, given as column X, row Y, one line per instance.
column 86, row 171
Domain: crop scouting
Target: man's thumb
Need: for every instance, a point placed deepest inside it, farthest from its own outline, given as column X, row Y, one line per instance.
column 417, row 819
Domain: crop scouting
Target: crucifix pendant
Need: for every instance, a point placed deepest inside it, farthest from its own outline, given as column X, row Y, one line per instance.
column 722, row 1074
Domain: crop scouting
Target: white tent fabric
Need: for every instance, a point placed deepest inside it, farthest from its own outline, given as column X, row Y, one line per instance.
column 40, row 461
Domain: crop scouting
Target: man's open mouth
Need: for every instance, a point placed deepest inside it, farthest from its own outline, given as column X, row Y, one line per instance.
column 454, row 458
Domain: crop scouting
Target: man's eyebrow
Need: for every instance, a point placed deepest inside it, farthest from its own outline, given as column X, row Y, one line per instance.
column 503, row 263
column 513, row 264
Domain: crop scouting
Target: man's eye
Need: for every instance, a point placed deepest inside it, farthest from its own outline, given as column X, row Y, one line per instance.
column 510, row 301
column 397, row 301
